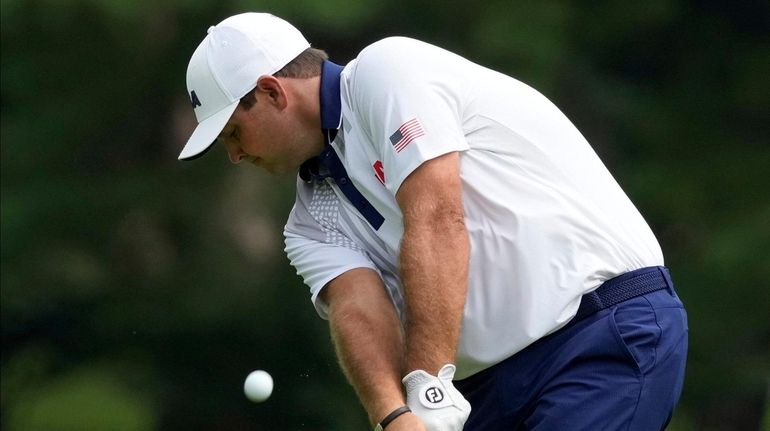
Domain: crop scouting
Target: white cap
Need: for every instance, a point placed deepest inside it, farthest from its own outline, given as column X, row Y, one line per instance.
column 227, row 65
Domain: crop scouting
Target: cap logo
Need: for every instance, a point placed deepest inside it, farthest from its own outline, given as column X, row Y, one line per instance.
column 194, row 100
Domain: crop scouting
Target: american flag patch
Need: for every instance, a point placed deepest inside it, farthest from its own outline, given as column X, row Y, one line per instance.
column 405, row 134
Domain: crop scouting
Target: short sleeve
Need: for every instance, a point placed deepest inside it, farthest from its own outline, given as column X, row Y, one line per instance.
column 316, row 245
column 409, row 103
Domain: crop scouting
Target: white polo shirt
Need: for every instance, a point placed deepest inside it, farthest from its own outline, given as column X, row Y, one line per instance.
column 546, row 220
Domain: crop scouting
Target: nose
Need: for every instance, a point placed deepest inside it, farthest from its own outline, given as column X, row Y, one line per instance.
column 235, row 154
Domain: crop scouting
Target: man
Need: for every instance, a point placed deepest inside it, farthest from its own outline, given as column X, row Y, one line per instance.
column 457, row 231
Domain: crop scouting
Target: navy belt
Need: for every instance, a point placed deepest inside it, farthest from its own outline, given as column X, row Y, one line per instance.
column 624, row 287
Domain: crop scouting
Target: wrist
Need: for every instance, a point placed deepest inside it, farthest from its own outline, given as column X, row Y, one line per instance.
column 429, row 357
column 392, row 416
column 383, row 403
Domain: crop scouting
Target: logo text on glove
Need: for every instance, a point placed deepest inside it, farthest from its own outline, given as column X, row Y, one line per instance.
column 434, row 395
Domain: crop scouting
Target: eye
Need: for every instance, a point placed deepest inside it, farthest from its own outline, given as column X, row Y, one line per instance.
column 228, row 133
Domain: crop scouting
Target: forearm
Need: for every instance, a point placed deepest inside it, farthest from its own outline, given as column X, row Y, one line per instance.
column 434, row 259
column 368, row 339
column 434, row 271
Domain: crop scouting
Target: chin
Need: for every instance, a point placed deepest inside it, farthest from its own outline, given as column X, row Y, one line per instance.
column 277, row 170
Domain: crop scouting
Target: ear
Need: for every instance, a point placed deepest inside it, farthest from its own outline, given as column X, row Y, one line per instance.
column 272, row 90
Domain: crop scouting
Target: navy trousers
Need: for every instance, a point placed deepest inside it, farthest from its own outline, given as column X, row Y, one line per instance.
column 621, row 368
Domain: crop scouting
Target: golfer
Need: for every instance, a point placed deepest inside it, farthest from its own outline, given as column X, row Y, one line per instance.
column 479, row 267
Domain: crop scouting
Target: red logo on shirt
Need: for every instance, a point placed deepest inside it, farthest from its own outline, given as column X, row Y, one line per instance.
column 379, row 172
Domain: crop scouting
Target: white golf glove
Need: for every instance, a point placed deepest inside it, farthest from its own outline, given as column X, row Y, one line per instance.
column 435, row 400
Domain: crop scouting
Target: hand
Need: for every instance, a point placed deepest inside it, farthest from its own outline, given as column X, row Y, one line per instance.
column 435, row 400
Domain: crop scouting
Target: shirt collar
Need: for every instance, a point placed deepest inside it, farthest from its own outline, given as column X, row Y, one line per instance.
column 331, row 119
column 331, row 103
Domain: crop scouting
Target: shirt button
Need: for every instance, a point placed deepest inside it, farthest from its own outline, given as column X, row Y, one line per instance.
column 343, row 180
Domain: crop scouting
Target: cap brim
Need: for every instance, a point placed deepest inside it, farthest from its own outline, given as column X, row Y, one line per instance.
column 206, row 133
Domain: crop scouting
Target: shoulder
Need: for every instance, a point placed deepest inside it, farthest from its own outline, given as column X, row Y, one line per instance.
column 393, row 63
column 390, row 46
column 396, row 54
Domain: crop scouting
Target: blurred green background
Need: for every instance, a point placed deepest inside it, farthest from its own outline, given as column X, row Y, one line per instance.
column 138, row 291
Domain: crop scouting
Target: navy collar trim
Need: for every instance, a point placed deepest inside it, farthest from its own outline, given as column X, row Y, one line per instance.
column 331, row 102
column 328, row 163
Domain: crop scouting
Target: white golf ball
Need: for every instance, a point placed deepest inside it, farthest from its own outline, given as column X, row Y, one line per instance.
column 258, row 386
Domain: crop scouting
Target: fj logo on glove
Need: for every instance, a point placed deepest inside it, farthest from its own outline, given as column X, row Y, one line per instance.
column 434, row 395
